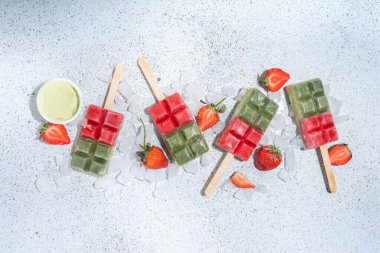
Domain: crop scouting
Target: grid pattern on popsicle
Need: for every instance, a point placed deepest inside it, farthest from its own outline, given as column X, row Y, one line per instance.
column 250, row 120
column 256, row 109
column 186, row 143
column 91, row 156
column 239, row 138
column 170, row 113
column 102, row 125
column 311, row 110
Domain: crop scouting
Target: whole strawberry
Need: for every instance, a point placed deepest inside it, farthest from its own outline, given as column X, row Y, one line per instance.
column 152, row 157
column 268, row 158
column 274, row 79
column 340, row 154
column 208, row 115
column 55, row 134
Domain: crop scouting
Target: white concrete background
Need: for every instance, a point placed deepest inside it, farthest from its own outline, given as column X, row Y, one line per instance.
column 337, row 41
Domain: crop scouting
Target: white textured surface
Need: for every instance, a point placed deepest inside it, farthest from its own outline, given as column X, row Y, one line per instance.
column 337, row 41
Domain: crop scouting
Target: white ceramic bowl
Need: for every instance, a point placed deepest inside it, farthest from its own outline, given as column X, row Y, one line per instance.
column 39, row 105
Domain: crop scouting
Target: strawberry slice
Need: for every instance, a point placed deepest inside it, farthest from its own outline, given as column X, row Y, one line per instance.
column 274, row 79
column 340, row 154
column 55, row 134
column 208, row 115
column 241, row 181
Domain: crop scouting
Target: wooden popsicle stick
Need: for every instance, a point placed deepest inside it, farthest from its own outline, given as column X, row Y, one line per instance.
column 217, row 174
column 327, row 170
column 152, row 81
column 113, row 87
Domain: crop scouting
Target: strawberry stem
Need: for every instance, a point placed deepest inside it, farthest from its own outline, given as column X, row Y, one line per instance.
column 221, row 101
column 144, row 143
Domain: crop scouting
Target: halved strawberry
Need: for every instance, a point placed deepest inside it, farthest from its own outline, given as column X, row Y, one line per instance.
column 274, row 79
column 55, row 134
column 208, row 114
column 340, row 154
column 241, row 181
column 152, row 157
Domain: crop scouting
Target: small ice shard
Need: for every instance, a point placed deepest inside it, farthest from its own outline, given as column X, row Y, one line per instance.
column 341, row 119
column 209, row 135
column 214, row 97
column 207, row 159
column 218, row 128
column 227, row 79
column 194, row 90
column 229, row 91
column 290, row 159
column 127, row 144
column 240, row 94
column 112, row 193
column 62, row 181
column 228, row 185
column 296, row 142
column 42, row 183
column 270, row 135
column 194, row 107
column 289, row 132
column 281, row 143
column 105, row 182
column 172, row 171
column 283, row 175
column 116, row 164
column 278, row 122
column 186, row 77
column 126, row 178
column 239, row 194
column 177, row 87
column 127, row 115
column 153, row 176
column 335, row 105
column 58, row 159
column 134, row 107
column 125, row 90
column 248, row 193
column 265, row 141
column 212, row 86
column 276, row 96
column 119, row 99
column 167, row 90
column 138, row 171
column 261, row 188
column 65, row 166
column 191, row 167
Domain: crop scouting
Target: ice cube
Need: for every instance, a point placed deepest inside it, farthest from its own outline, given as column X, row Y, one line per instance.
column 126, row 178
column 194, row 107
column 112, row 193
column 261, row 188
column 117, row 164
column 240, row 94
column 127, row 144
column 105, row 182
column 229, row 91
column 335, row 105
column 296, row 142
column 341, row 119
column 172, row 171
column 153, row 176
column 177, row 87
column 209, row 135
column 278, row 122
column 186, row 77
column 265, row 141
column 270, row 135
column 167, row 90
column 280, row 142
column 214, row 97
column 134, row 107
column 65, row 166
column 239, row 194
column 276, row 96
column 191, row 167
column 327, row 88
column 290, row 159
column 283, row 174
column 119, row 100
column 228, row 185
column 125, row 90
column 227, row 79
column 289, row 132
column 194, row 90
column 248, row 193
column 218, row 128
column 42, row 183
column 62, row 181
column 207, row 159
column 138, row 171
column 212, row 86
